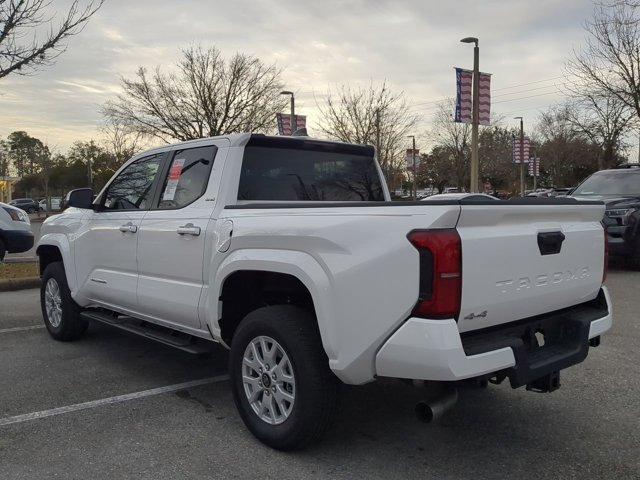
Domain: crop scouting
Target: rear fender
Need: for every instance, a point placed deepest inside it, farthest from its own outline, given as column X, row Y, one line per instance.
column 298, row 264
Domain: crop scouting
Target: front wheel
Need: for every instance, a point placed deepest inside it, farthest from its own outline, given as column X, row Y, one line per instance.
column 60, row 312
column 282, row 385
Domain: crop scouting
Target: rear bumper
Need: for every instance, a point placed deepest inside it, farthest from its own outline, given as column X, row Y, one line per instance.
column 434, row 349
column 17, row 241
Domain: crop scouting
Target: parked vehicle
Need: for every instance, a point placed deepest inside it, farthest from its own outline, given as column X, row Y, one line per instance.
column 540, row 192
column 288, row 251
column 559, row 192
column 459, row 196
column 55, row 204
column 29, row 205
column 619, row 188
column 15, row 230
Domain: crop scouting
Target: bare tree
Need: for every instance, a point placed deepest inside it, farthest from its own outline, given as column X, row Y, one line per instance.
column 568, row 156
column 454, row 142
column 207, row 96
column 369, row 115
column 604, row 120
column 609, row 64
column 29, row 38
column 120, row 141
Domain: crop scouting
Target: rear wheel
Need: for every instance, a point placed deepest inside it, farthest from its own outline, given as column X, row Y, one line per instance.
column 60, row 312
column 3, row 250
column 282, row 385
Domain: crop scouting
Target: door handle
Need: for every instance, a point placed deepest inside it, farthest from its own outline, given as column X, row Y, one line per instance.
column 188, row 229
column 128, row 228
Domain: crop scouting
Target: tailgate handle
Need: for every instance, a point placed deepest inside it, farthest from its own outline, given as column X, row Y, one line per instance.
column 550, row 243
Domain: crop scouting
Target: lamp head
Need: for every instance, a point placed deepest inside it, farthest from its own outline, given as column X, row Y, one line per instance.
column 470, row 40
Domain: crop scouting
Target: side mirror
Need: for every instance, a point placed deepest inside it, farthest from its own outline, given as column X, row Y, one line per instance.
column 79, row 198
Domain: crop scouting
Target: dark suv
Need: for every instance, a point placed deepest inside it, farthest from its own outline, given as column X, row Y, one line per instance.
column 29, row 205
column 619, row 189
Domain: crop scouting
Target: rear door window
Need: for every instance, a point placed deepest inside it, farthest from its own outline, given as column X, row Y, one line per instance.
column 187, row 177
column 280, row 174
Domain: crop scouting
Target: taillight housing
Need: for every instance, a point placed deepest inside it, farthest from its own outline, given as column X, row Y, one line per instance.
column 605, row 267
column 440, row 272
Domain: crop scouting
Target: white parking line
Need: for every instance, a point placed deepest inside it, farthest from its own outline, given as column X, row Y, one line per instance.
column 20, row 329
column 109, row 401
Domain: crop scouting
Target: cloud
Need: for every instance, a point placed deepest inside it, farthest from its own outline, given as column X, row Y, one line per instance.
column 413, row 45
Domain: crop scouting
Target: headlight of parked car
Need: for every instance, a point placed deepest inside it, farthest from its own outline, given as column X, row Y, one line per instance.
column 621, row 213
column 17, row 215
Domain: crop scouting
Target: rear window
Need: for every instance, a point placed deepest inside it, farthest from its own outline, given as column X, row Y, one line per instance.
column 281, row 174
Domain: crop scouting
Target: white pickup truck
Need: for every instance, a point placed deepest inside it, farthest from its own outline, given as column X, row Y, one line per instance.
column 288, row 251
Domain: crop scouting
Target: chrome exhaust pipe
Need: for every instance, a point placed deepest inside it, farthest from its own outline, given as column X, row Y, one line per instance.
column 432, row 410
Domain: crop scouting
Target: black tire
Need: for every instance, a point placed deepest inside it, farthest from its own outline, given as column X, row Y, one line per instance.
column 71, row 325
column 3, row 250
column 316, row 387
column 31, row 210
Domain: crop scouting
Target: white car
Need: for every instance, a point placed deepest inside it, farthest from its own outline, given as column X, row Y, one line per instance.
column 288, row 251
column 15, row 230
column 459, row 196
column 55, row 204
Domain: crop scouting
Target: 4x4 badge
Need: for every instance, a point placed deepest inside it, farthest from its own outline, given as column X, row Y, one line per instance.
column 471, row 316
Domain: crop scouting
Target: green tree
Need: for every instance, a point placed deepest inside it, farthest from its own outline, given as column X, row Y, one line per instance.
column 102, row 163
column 25, row 152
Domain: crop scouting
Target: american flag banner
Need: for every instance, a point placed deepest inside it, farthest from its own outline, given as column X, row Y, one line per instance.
column 484, row 99
column 534, row 167
column 516, row 149
column 464, row 81
column 284, row 123
column 409, row 156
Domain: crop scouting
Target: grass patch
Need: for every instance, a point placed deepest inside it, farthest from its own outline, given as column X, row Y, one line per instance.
column 19, row 270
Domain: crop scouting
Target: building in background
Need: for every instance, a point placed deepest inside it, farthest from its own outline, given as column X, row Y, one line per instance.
column 6, row 188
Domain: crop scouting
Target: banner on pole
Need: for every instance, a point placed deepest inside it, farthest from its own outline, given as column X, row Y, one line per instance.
column 484, row 99
column 464, row 97
column 408, row 158
column 284, row 123
column 516, row 149
column 464, row 83
column 534, row 167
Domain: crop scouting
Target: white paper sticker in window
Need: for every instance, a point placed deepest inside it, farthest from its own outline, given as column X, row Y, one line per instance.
column 173, row 179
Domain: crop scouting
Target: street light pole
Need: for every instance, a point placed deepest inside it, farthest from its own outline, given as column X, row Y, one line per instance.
column 89, row 172
column 415, row 171
column 521, row 155
column 475, row 119
column 293, row 111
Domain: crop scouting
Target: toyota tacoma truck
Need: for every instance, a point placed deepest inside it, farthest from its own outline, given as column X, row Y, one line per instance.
column 289, row 252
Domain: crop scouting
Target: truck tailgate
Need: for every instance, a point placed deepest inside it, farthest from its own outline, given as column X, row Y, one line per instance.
column 519, row 261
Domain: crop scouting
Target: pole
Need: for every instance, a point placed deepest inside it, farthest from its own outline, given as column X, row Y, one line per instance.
column 521, row 157
column 89, row 172
column 382, row 164
column 475, row 120
column 415, row 171
column 294, row 125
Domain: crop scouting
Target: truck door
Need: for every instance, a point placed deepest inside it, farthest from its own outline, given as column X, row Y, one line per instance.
column 105, row 248
column 171, row 241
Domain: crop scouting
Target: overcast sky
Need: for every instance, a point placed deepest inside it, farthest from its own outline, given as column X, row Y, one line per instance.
column 413, row 45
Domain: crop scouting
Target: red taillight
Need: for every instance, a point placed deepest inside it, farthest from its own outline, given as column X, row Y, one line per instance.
column 440, row 272
column 605, row 267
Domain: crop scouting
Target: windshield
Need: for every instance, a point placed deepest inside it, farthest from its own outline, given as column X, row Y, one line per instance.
column 611, row 183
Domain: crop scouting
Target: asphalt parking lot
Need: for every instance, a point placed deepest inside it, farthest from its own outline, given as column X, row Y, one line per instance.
column 62, row 414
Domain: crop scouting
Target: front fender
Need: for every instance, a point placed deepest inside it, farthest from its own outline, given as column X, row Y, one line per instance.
column 61, row 242
column 298, row 264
